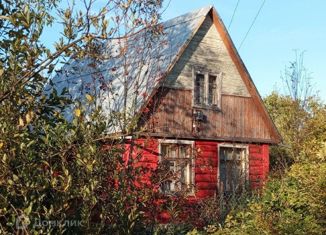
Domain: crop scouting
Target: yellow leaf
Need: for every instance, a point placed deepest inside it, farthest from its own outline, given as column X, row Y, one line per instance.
column 89, row 98
column 29, row 117
column 77, row 112
column 15, row 177
column 68, row 183
column 21, row 122
column 1, row 144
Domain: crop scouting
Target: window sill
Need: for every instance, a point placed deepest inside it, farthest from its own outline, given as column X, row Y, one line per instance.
column 207, row 107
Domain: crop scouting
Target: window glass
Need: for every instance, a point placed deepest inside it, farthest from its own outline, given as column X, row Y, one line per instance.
column 207, row 90
column 176, row 159
column 212, row 95
column 232, row 169
column 199, row 89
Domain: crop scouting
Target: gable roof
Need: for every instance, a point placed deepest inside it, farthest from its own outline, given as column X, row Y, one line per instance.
column 141, row 61
column 134, row 68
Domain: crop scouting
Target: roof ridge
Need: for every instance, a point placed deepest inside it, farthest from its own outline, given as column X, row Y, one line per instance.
column 187, row 16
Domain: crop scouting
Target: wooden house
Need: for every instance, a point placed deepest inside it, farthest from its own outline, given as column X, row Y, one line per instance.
column 201, row 115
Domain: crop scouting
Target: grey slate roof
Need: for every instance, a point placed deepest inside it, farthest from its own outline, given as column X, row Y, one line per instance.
column 145, row 61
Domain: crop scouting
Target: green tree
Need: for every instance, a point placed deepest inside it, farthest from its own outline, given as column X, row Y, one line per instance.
column 299, row 116
column 52, row 169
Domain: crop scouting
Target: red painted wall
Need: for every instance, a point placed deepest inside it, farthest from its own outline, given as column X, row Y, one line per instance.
column 206, row 163
column 144, row 153
column 206, row 167
column 258, row 165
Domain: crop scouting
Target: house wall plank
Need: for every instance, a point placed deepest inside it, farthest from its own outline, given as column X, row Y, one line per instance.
column 205, row 164
column 172, row 115
column 258, row 165
column 207, row 52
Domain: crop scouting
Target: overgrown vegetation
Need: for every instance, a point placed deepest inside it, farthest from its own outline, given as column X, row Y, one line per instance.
column 294, row 199
column 59, row 177
column 303, row 128
column 299, row 115
column 293, row 204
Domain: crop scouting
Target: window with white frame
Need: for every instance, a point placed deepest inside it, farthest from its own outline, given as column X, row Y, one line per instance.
column 207, row 90
column 233, row 168
column 176, row 162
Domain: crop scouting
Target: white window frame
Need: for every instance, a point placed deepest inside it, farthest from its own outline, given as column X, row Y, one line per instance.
column 207, row 74
column 245, row 163
column 192, row 170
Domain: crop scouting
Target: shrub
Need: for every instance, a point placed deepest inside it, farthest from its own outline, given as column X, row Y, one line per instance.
column 294, row 204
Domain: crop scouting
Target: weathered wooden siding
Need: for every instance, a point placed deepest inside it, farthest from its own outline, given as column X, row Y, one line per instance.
column 171, row 110
column 172, row 116
column 207, row 53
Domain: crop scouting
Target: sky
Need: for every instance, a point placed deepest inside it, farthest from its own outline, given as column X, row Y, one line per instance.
column 282, row 27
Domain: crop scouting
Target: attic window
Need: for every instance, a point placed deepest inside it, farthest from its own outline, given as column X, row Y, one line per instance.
column 200, row 89
column 207, row 90
column 212, row 91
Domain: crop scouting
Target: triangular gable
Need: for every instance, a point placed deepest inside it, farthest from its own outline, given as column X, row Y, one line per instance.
column 82, row 76
column 243, row 72
column 245, row 75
